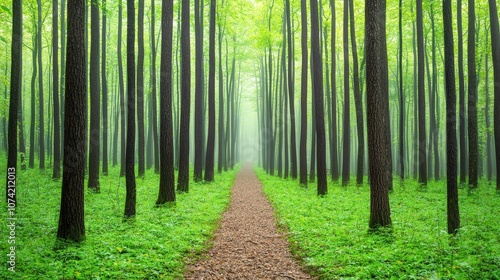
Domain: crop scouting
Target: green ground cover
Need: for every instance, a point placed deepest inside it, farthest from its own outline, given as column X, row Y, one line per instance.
column 155, row 245
column 330, row 234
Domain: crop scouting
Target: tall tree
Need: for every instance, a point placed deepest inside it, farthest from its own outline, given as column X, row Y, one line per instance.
column 31, row 163
column 461, row 92
column 71, row 216
column 451, row 121
column 357, row 100
column 489, row 167
column 422, row 157
column 15, row 92
column 346, row 153
column 472, row 99
column 377, row 113
column 41, row 132
column 140, row 88
column 104, row 93
column 291, row 93
column 167, row 186
column 95, row 128
column 56, row 167
column 199, row 94
column 495, row 54
column 183, row 177
column 153, row 90
column 209, row 158
column 130, row 199
column 317, row 80
column 303, row 97
column 400, row 90
column 121, row 86
column 334, row 164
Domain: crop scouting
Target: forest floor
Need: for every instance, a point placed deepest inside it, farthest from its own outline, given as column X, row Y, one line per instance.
column 248, row 244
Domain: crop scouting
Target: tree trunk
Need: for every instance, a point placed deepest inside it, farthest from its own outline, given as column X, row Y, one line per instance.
column 221, row 148
column 495, row 53
column 377, row 113
column 209, row 158
column 140, row 89
column 422, row 157
column 41, row 133
column 167, row 186
column 472, row 99
column 123, row 111
column 183, row 177
column 451, row 122
column 104, row 95
column 334, row 164
column 56, row 169
column 303, row 97
column 489, row 154
column 199, row 95
column 130, row 199
column 461, row 90
column 317, row 80
column 15, row 93
column 291, row 94
column 346, row 153
column 71, row 216
column 153, row 91
column 31, row 163
column 95, row 128
column 401, row 93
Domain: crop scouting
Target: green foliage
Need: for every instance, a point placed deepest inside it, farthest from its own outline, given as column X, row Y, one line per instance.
column 155, row 245
column 330, row 234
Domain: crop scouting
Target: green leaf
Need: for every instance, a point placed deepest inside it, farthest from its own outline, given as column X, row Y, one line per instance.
column 6, row 9
column 3, row 39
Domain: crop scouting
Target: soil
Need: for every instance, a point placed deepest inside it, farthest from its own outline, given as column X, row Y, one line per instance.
column 248, row 244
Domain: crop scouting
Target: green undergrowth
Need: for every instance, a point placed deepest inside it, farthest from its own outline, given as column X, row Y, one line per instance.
column 156, row 244
column 330, row 234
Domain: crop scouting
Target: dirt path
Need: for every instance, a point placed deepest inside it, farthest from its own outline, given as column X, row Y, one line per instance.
column 248, row 245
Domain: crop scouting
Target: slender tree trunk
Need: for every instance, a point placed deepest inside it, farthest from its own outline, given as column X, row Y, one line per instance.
column 15, row 93
column 167, row 185
column 140, row 89
column 95, row 129
column 221, row 148
column 41, row 132
column 489, row 154
column 130, row 199
column 303, row 97
column 346, row 153
column 451, row 122
column 291, row 93
column 56, row 169
column 31, row 163
column 123, row 111
column 472, row 100
column 461, row 90
column 199, row 95
column 379, row 146
column 357, row 100
column 401, row 92
column 183, row 177
column 153, row 91
column 104, row 94
column 422, row 157
column 495, row 53
column 71, row 215
column 63, row 71
column 209, row 158
column 334, row 151
column 317, row 80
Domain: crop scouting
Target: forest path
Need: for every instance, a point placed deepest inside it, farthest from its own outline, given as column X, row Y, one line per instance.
column 248, row 244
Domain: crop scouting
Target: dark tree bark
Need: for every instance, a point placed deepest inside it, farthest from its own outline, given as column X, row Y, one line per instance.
column 56, row 167
column 130, row 199
column 41, row 132
column 62, row 70
column 346, row 153
column 31, row 163
column 221, row 148
column 422, row 157
column 123, row 111
column 435, row 130
column 415, row 101
column 334, row 164
column 291, row 94
column 357, row 100
column 401, row 92
column 495, row 53
column 461, row 90
column 167, row 186
column 377, row 113
column 489, row 165
column 153, row 91
column 303, row 97
column 472, row 99
column 71, row 215
column 104, row 94
column 451, row 122
column 183, row 177
column 15, row 93
column 317, row 80
column 140, row 88
column 95, row 129
column 209, row 158
column 199, row 95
